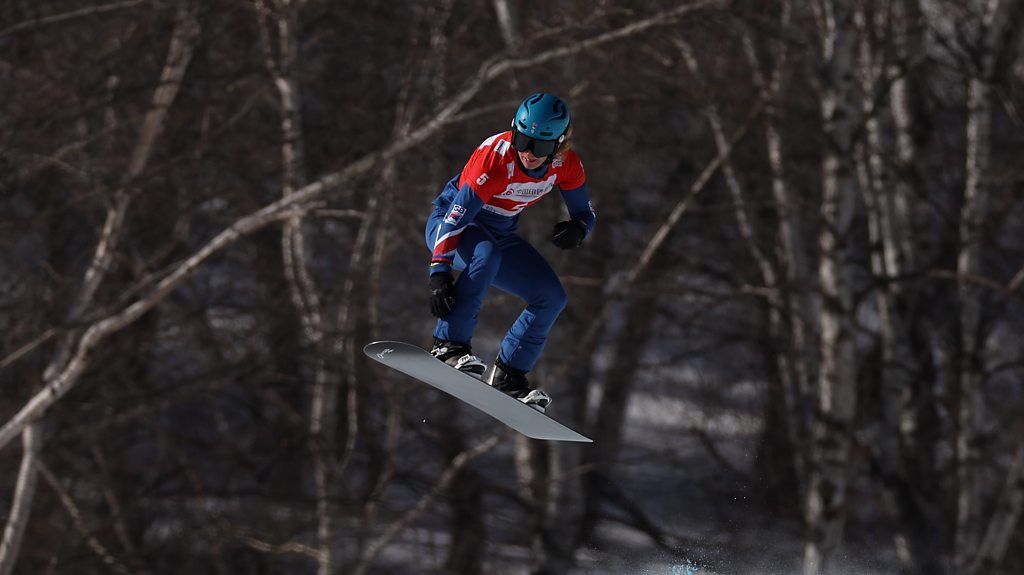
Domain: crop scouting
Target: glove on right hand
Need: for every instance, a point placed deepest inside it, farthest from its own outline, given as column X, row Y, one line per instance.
column 569, row 234
column 442, row 293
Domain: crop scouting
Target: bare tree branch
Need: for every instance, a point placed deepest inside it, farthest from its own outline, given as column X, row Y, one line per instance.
column 21, row 505
column 28, row 347
column 66, row 16
column 79, row 522
column 1011, row 290
column 1004, row 519
column 287, row 548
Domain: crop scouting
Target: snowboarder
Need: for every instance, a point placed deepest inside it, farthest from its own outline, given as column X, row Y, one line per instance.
column 473, row 229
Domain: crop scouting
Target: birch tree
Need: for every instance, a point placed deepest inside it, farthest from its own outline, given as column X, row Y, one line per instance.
column 796, row 325
column 998, row 32
column 826, row 498
column 281, row 53
column 886, row 197
column 1005, row 519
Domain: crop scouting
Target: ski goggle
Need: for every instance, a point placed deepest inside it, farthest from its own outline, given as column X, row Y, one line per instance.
column 540, row 148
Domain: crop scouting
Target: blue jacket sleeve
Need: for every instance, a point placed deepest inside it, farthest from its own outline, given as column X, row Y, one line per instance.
column 577, row 201
column 460, row 213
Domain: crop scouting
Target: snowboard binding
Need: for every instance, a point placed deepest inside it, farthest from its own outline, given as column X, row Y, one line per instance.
column 513, row 382
column 459, row 356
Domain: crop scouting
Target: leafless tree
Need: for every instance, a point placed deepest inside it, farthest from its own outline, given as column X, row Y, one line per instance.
column 799, row 307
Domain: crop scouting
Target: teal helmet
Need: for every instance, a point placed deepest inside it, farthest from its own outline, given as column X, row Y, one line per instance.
column 542, row 117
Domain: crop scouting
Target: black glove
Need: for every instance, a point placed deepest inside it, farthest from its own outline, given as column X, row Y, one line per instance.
column 442, row 293
column 569, row 234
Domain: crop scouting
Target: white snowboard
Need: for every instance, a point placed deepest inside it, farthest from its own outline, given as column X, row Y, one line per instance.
column 418, row 363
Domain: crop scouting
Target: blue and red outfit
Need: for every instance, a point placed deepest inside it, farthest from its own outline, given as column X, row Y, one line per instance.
column 473, row 228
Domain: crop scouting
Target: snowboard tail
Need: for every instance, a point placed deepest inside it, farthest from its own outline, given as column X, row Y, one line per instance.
column 418, row 363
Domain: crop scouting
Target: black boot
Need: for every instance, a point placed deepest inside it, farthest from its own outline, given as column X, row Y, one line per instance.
column 459, row 356
column 513, row 382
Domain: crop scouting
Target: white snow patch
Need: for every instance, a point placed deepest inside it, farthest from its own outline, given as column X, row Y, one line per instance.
column 672, row 413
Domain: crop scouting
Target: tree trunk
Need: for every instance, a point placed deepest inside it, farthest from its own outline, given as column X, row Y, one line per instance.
column 999, row 25
column 304, row 294
column 1004, row 520
column 825, row 504
column 968, row 394
column 611, row 414
column 467, row 517
column 888, row 231
column 792, row 333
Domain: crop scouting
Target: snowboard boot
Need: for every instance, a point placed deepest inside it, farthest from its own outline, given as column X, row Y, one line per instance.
column 513, row 382
column 458, row 356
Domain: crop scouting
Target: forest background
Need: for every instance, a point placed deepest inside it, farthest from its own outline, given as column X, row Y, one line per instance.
column 794, row 335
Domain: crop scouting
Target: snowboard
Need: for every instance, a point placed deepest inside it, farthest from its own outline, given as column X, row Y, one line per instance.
column 418, row 363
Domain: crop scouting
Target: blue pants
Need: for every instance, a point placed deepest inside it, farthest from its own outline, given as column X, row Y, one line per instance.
column 514, row 266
